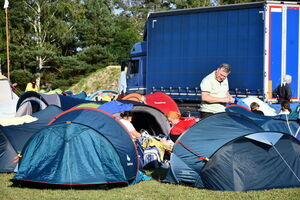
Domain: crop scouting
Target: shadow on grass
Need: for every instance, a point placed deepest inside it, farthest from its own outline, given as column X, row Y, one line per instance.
column 36, row 185
column 158, row 174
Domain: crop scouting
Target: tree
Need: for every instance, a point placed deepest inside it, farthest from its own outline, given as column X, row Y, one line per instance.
column 126, row 35
column 97, row 25
column 221, row 2
column 181, row 4
column 50, row 26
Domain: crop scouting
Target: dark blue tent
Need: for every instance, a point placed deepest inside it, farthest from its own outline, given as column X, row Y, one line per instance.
column 201, row 141
column 82, row 146
column 13, row 138
column 198, row 145
column 259, row 161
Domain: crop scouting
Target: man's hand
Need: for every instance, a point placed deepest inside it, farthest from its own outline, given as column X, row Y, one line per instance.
column 211, row 99
column 227, row 99
column 230, row 98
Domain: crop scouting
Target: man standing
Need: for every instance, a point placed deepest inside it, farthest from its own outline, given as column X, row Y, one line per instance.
column 283, row 92
column 122, row 82
column 215, row 91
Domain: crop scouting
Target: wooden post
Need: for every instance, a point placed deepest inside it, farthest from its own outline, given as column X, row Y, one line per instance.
column 7, row 46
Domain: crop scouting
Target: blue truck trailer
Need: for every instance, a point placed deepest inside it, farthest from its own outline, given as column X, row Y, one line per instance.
column 259, row 40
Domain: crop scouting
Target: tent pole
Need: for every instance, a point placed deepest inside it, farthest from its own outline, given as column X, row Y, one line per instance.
column 288, row 125
column 286, row 163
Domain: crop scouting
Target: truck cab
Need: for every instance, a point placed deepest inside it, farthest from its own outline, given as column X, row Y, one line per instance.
column 136, row 72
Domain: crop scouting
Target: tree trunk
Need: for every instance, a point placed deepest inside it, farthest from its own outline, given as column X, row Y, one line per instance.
column 38, row 71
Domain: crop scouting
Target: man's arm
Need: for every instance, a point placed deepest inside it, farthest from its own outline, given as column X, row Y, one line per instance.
column 211, row 99
column 135, row 133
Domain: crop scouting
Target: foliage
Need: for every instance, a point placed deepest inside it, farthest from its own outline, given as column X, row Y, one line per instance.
column 97, row 27
column 180, row 4
column 21, row 77
column 126, row 35
column 221, row 2
column 66, row 71
column 95, row 54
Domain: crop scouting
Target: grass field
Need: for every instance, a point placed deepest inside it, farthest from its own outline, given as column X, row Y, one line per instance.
column 152, row 189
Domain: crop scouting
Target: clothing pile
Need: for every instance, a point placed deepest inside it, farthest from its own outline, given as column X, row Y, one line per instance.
column 155, row 150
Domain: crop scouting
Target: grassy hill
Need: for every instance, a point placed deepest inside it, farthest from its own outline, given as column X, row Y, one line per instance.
column 106, row 78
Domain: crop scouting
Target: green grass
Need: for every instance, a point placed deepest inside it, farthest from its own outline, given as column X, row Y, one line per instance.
column 152, row 189
column 106, row 78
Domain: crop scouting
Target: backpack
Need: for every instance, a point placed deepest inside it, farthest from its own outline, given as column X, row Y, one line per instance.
column 152, row 158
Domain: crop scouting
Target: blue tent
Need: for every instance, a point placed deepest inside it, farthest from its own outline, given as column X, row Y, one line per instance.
column 283, row 123
column 13, row 138
column 114, row 107
column 196, row 148
column 258, row 119
column 94, row 96
column 80, row 95
column 31, row 102
column 82, row 146
column 144, row 116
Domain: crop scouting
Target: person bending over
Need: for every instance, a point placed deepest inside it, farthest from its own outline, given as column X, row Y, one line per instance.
column 215, row 91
